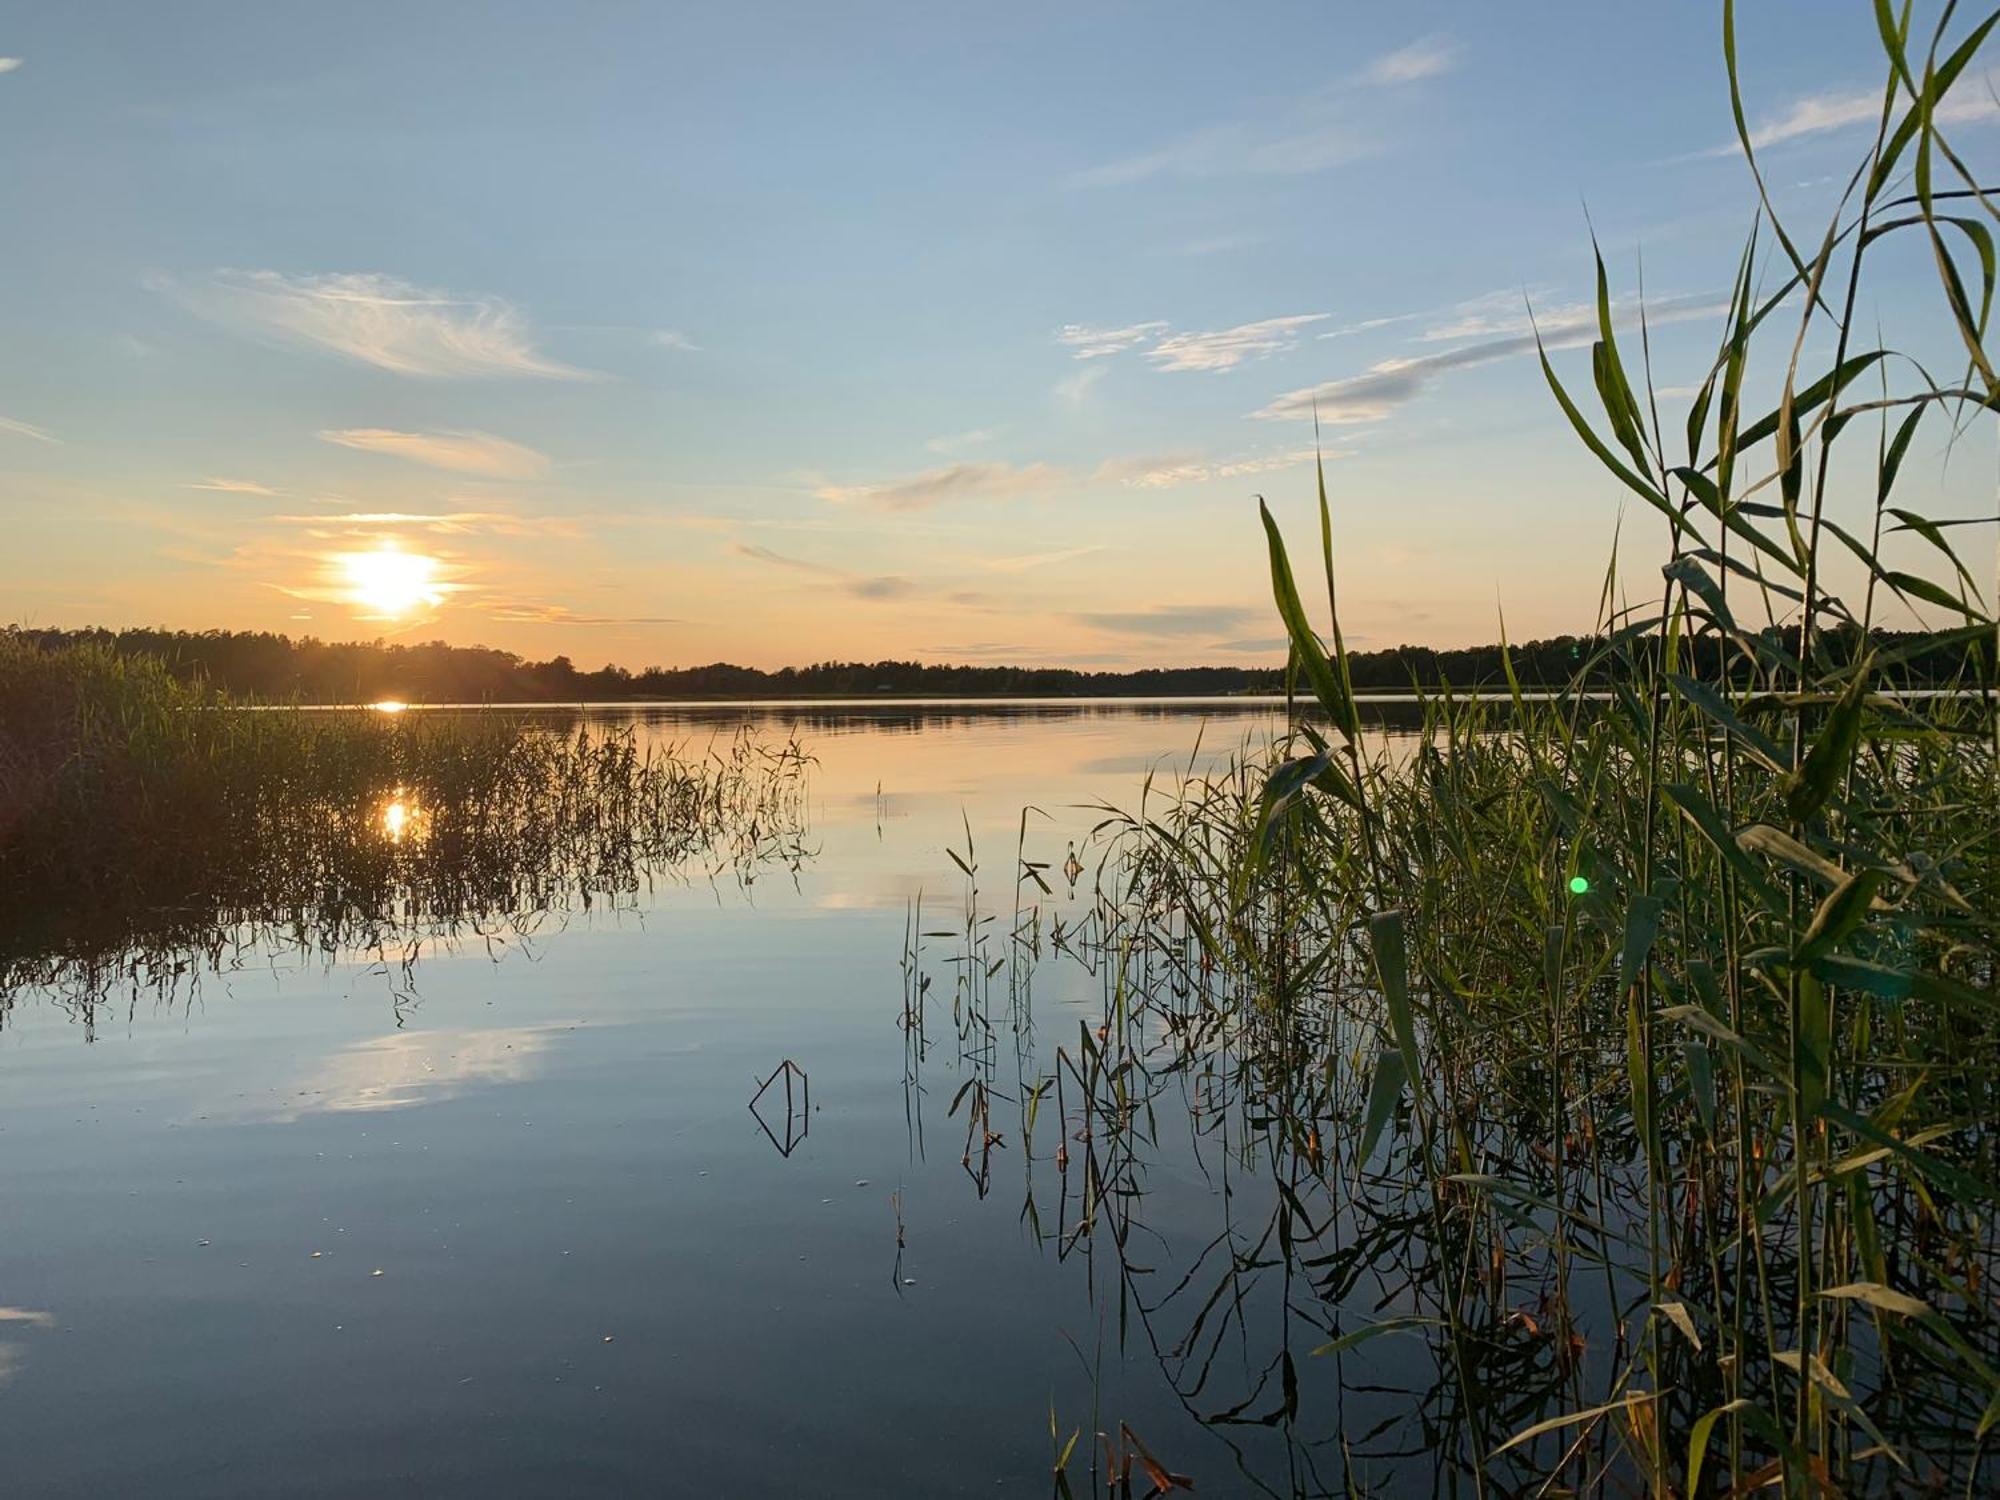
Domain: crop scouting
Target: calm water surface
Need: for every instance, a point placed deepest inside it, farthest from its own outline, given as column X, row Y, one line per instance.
column 502, row 1222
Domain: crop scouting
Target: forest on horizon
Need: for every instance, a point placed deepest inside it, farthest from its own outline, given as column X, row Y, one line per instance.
column 269, row 667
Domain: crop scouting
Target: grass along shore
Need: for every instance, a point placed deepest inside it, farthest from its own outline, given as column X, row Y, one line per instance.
column 138, row 812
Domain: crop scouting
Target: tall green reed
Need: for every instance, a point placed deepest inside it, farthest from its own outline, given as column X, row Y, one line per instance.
column 1787, row 864
column 1637, row 1050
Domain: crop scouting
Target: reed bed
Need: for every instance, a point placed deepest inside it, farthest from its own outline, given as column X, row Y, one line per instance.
column 1633, row 1057
column 143, row 821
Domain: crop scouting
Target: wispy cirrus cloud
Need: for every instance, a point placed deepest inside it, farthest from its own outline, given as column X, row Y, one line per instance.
column 673, row 338
column 1383, row 389
column 1239, row 148
column 877, row 586
column 1024, row 562
column 958, row 442
column 1365, row 325
column 529, row 612
column 949, row 482
column 28, row 430
column 1226, row 348
column 1972, row 102
column 1260, row 645
column 1428, row 57
column 461, row 452
column 999, row 480
column 1504, row 314
column 880, row 586
column 758, row 553
column 1211, row 349
column 377, row 320
column 9, row 64
column 441, row 523
column 1323, row 130
column 1171, row 621
column 1087, row 341
column 984, row 650
column 1074, row 388
column 1173, row 472
column 232, row 486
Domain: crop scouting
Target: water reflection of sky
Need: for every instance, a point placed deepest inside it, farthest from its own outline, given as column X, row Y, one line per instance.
column 410, row 1068
column 598, row 1276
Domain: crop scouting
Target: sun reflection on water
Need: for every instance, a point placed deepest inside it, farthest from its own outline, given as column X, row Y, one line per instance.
column 403, row 819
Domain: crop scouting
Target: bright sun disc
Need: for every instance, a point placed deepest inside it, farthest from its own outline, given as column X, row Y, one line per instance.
column 391, row 582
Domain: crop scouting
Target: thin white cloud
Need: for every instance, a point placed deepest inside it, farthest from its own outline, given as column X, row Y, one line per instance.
column 1972, row 102
column 1162, row 474
column 1327, row 129
column 1074, row 389
column 1429, row 57
column 1503, row 314
column 378, row 320
column 1237, row 148
column 780, row 560
column 1226, row 348
column 997, row 480
column 1300, row 153
column 9, row 64
column 461, row 452
column 1385, row 388
column 231, row 486
column 28, row 430
column 957, row 442
column 961, row 481
column 882, row 587
column 673, row 338
column 1173, row 621
column 874, row 587
column 981, row 649
column 1260, row 645
column 1365, row 325
column 441, row 523
column 528, row 612
column 1085, row 341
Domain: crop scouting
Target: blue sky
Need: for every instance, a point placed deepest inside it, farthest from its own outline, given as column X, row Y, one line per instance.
column 778, row 333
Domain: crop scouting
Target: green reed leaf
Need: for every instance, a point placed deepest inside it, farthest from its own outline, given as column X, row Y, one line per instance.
column 1385, row 1092
column 1306, row 648
column 1843, row 910
column 1827, row 761
column 1402, row 1324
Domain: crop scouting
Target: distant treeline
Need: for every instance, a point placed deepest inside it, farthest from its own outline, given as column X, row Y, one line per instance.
column 277, row 668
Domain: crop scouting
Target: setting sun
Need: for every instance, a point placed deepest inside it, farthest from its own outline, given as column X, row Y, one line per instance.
column 390, row 582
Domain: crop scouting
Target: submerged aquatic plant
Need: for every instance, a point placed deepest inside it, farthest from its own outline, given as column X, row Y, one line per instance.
column 143, row 821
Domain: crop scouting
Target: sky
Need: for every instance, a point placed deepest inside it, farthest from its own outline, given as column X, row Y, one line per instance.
column 668, row 334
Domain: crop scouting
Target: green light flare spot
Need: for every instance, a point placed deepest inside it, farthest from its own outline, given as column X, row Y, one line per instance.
column 1578, row 885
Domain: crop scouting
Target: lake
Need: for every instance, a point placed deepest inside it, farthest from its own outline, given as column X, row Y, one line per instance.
column 500, row 1219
